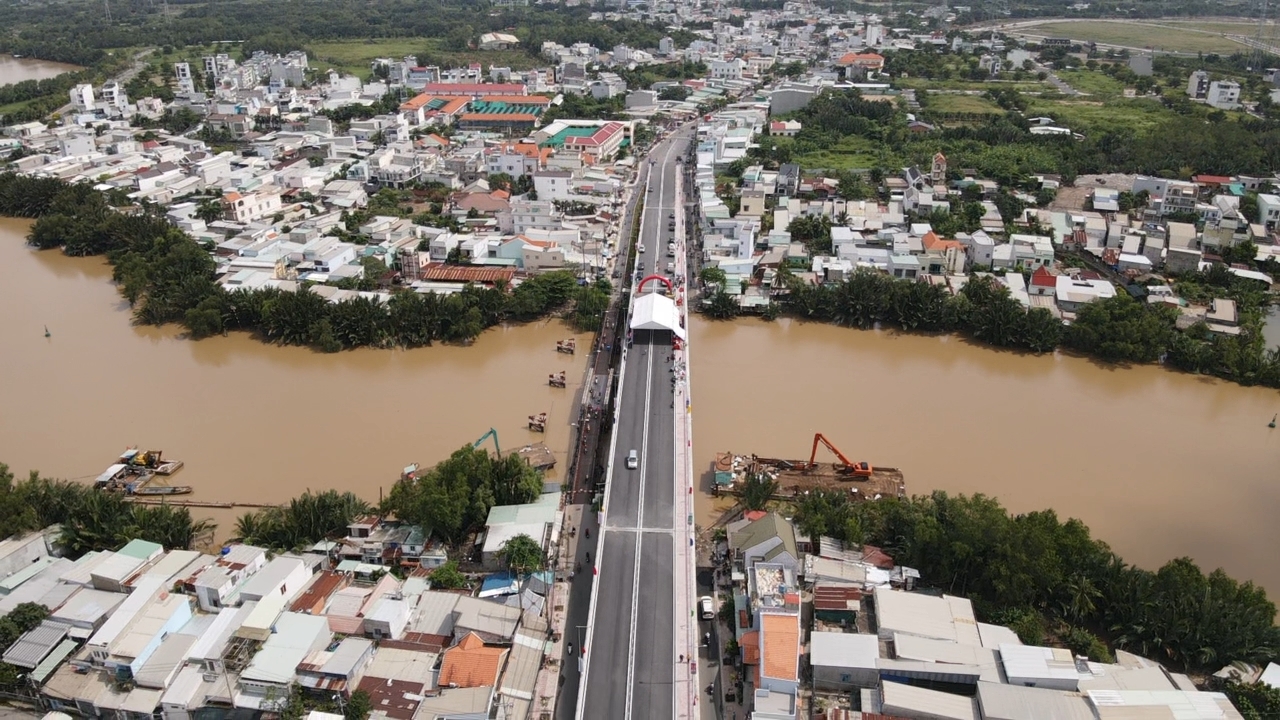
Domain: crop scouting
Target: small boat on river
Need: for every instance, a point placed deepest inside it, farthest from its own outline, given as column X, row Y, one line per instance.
column 152, row 490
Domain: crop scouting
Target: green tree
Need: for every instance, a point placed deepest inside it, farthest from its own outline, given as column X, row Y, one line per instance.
column 448, row 577
column 358, row 706
column 722, row 306
column 757, row 490
column 712, row 275
column 522, row 554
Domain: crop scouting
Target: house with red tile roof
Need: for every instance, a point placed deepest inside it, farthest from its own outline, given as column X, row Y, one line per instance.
column 779, row 668
column 1044, row 281
column 471, row 664
column 873, row 62
column 942, row 257
column 599, row 145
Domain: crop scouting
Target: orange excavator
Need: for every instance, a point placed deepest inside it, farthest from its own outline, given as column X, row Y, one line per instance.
column 857, row 469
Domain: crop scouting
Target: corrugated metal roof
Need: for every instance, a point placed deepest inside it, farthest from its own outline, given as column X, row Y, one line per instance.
column 1013, row 702
column 36, row 643
column 53, row 660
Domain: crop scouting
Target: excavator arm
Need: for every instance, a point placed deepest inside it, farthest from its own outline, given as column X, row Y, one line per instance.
column 813, row 455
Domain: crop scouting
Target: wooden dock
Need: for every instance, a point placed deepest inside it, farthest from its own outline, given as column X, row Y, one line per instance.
column 172, row 500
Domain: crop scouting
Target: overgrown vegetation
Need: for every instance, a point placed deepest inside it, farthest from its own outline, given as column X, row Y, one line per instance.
column 307, row 519
column 453, row 498
column 90, row 519
column 1034, row 572
column 983, row 309
column 1000, row 147
column 168, row 278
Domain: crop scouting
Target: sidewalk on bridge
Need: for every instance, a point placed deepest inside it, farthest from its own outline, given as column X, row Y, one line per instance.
column 574, row 543
column 685, row 583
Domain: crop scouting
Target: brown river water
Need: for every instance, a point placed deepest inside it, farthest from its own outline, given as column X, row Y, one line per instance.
column 14, row 70
column 253, row 422
column 1159, row 464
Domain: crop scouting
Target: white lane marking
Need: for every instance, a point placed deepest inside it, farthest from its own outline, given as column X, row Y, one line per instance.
column 644, row 469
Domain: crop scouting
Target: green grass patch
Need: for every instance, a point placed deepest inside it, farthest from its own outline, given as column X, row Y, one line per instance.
column 851, row 153
column 974, row 104
column 1099, row 86
column 14, row 107
column 1138, row 35
column 922, row 84
column 1091, row 116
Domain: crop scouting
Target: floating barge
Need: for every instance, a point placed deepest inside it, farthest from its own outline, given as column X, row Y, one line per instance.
column 150, row 460
column 538, row 455
column 133, row 473
column 861, row 480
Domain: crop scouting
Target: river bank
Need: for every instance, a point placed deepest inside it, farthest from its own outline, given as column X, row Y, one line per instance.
column 1157, row 464
column 253, row 422
column 14, row 70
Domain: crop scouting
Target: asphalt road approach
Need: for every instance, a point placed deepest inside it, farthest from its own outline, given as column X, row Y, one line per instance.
column 631, row 661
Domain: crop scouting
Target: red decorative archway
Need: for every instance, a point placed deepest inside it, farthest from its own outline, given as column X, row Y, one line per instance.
column 660, row 278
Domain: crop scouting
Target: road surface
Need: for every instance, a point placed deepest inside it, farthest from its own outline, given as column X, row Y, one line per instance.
column 632, row 660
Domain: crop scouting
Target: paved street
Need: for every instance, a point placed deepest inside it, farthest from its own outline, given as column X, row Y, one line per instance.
column 631, row 654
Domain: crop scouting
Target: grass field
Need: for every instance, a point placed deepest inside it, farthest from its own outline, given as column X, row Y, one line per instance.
column 975, row 104
column 851, row 153
column 1092, row 117
column 1138, row 35
column 1031, row 85
column 1099, row 86
column 354, row 56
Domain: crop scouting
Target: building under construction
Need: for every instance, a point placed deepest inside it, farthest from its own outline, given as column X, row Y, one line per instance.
column 861, row 480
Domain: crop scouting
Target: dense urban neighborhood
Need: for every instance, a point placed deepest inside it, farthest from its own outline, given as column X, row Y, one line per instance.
column 620, row 168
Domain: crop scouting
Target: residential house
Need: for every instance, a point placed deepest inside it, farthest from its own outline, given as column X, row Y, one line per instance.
column 553, row 184
column 274, row 668
column 213, row 584
column 784, row 128
column 842, row 662
column 532, row 255
column 471, row 664
column 779, row 668
column 338, row 670
column 248, row 207
column 1044, row 281
column 1072, row 293
column 768, row 538
column 283, row 576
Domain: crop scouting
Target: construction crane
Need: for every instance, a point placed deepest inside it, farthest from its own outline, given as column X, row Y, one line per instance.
column 486, row 436
column 860, row 469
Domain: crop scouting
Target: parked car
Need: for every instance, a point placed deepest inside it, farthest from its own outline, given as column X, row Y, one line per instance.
column 706, row 607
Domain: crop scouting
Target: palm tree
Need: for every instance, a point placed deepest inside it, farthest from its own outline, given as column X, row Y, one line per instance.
column 210, row 209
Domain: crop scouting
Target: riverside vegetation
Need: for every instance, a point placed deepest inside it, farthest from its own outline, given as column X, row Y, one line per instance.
column 1115, row 330
column 169, row 278
column 1044, row 577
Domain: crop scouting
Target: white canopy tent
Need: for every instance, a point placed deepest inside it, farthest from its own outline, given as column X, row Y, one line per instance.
column 655, row 311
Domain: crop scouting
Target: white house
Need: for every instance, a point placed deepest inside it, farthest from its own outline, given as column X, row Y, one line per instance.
column 552, row 184
column 1269, row 209
column 727, row 69
column 282, row 576
column 214, row 583
column 82, row 97
column 1224, row 94
column 1073, row 293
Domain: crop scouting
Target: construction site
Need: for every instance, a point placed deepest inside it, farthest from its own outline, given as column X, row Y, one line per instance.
column 862, row 480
